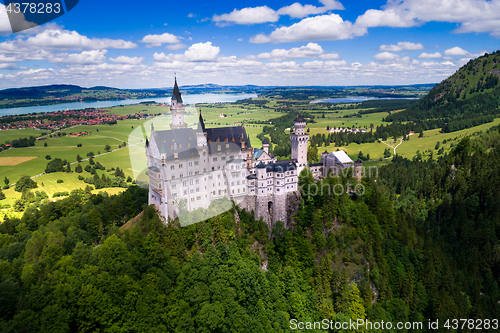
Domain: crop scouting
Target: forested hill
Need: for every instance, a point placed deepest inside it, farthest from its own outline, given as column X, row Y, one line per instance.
column 421, row 244
column 467, row 98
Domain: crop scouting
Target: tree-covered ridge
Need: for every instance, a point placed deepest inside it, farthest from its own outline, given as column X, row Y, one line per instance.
column 421, row 243
column 467, row 98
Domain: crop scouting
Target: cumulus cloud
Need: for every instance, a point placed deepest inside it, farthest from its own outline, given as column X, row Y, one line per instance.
column 157, row 40
column 127, row 60
column 471, row 15
column 402, row 46
column 202, row 52
column 456, row 51
column 264, row 14
column 384, row 56
column 196, row 52
column 426, row 55
column 62, row 40
column 298, row 10
column 8, row 66
column 85, row 57
column 321, row 27
column 4, row 58
column 311, row 50
column 249, row 15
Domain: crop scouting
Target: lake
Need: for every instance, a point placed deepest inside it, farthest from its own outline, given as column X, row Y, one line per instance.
column 188, row 99
column 357, row 99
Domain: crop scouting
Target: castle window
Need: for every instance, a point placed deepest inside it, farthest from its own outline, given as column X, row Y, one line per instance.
column 180, row 165
column 185, row 192
column 172, row 167
column 181, row 175
column 219, row 148
column 189, row 144
column 215, row 159
column 180, row 146
column 191, row 182
column 198, row 198
column 190, row 163
column 196, row 163
column 174, row 185
column 171, row 147
column 174, row 195
column 184, row 184
column 197, row 181
column 173, row 176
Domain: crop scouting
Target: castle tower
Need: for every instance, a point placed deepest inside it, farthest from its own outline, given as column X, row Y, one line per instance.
column 358, row 169
column 177, row 109
column 265, row 146
column 299, row 143
column 262, row 200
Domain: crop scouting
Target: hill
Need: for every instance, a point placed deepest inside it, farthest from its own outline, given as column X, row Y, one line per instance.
column 468, row 98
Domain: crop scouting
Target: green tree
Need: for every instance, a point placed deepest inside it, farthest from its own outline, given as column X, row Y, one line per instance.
column 312, row 154
column 79, row 169
column 107, row 148
column 25, row 183
column 78, row 158
column 6, row 181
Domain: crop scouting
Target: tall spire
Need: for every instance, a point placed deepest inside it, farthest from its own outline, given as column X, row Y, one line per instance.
column 176, row 94
column 201, row 124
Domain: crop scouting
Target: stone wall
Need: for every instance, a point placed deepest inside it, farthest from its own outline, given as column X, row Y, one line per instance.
column 283, row 207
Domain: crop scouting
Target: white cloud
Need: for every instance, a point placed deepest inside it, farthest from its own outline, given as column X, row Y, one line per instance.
column 426, row 55
column 472, row 15
column 264, row 14
column 402, row 46
column 63, row 39
column 384, row 56
column 86, row 57
column 127, row 60
column 196, row 52
column 8, row 66
column 157, row 40
column 175, row 47
column 4, row 58
column 322, row 27
column 386, row 18
column 202, row 52
column 298, row 10
column 311, row 50
column 191, row 15
column 456, row 51
column 248, row 15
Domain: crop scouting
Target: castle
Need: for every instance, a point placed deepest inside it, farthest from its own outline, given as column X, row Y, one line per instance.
column 191, row 168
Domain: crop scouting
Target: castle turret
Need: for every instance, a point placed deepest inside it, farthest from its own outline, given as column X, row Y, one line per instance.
column 177, row 109
column 265, row 146
column 201, row 134
column 299, row 142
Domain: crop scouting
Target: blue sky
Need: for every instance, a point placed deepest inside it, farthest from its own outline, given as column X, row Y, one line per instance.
column 141, row 44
